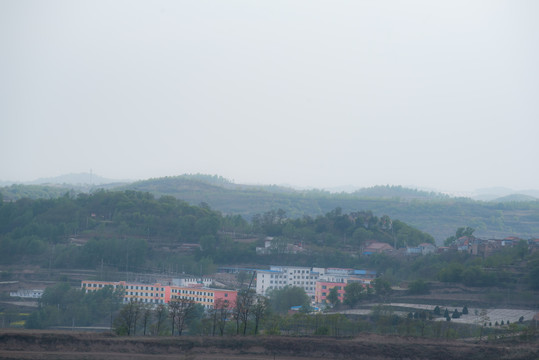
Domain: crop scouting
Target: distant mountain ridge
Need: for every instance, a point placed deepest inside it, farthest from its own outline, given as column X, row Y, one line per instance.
column 76, row 179
column 494, row 194
column 515, row 198
column 435, row 213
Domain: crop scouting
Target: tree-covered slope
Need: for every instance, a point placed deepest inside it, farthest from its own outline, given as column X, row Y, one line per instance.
column 433, row 213
column 127, row 229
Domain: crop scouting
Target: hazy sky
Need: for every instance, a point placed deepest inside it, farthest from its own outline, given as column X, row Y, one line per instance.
column 439, row 94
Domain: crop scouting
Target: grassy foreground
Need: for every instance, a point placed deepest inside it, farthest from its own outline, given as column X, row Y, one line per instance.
column 25, row 344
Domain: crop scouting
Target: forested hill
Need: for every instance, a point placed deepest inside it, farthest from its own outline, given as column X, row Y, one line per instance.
column 133, row 229
column 433, row 213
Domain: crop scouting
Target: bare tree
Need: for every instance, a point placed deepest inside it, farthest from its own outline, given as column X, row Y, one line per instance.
column 259, row 311
column 224, row 313
column 160, row 316
column 244, row 302
column 146, row 310
column 183, row 309
column 137, row 311
column 173, row 310
column 126, row 321
column 214, row 314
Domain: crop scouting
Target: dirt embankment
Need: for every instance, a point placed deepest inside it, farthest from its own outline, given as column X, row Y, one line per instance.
column 67, row 345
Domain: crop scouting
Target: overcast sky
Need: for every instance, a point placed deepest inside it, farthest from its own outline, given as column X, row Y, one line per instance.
column 437, row 94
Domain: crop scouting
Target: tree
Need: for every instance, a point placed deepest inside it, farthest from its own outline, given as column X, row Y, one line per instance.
column 224, row 312
column 418, row 287
column 146, row 310
column 214, row 312
column 125, row 322
column 281, row 300
column 533, row 276
column 382, row 287
column 244, row 302
column 465, row 310
column 161, row 313
column 173, row 310
column 259, row 311
column 462, row 231
column 182, row 309
column 333, row 296
column 354, row 293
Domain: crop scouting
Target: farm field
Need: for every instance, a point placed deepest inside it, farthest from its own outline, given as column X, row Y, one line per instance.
column 70, row 345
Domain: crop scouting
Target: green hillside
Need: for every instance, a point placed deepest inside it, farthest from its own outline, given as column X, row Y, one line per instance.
column 433, row 213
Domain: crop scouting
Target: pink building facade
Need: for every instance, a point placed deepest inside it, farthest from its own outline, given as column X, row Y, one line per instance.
column 163, row 294
column 323, row 288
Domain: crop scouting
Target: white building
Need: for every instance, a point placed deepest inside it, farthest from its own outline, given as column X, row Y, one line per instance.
column 27, row 294
column 192, row 281
column 278, row 277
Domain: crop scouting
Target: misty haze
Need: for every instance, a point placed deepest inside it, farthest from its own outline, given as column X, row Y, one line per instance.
column 272, row 179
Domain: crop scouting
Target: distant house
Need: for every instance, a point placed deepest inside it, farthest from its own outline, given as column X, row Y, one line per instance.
column 375, row 247
column 413, row 250
column 463, row 244
column 427, row 248
column 27, row 294
column 421, row 249
column 277, row 246
column 189, row 248
column 484, row 248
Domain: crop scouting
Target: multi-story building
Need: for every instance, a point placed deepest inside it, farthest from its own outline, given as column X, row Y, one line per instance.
column 28, row 294
column 163, row 294
column 324, row 287
column 311, row 280
column 278, row 277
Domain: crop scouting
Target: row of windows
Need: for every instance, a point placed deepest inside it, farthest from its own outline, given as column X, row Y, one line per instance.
column 338, row 287
column 131, row 287
column 191, row 292
column 137, row 287
column 324, row 294
column 97, row 285
column 151, row 301
column 136, row 293
column 192, row 298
